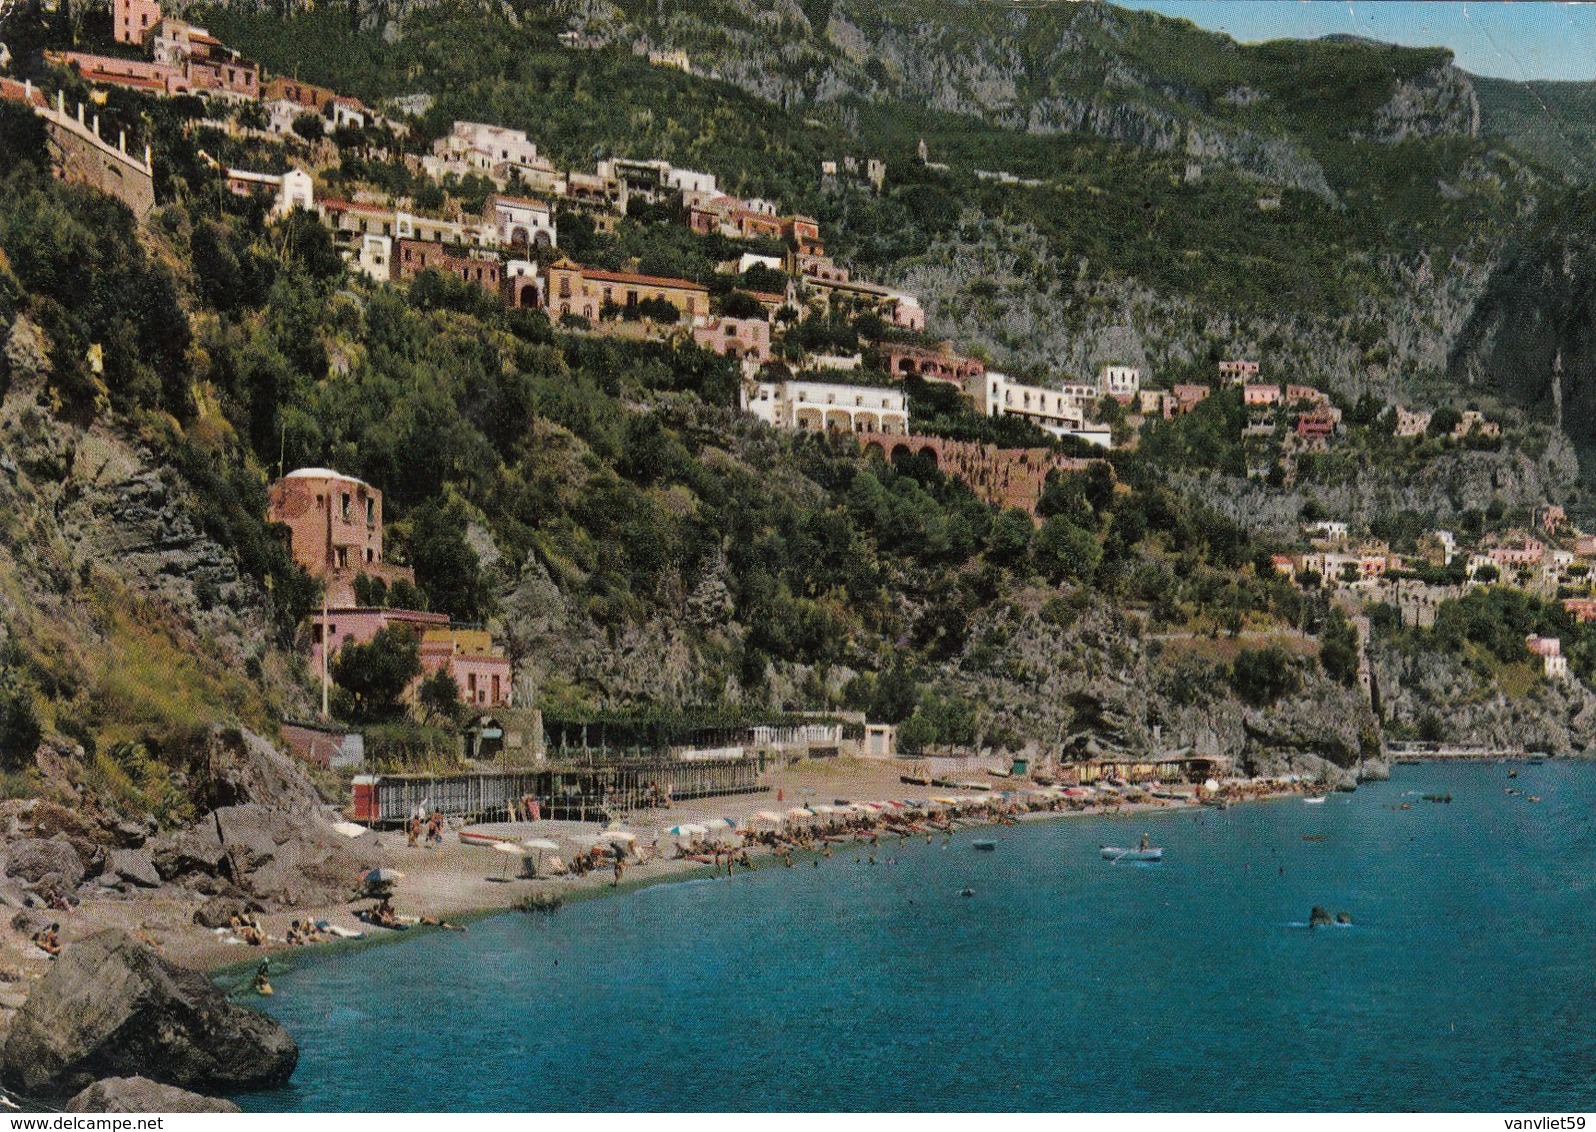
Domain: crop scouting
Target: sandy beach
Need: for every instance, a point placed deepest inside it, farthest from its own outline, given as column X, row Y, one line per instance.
column 457, row 880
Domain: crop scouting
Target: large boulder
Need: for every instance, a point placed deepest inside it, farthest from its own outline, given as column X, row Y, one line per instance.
column 140, row 1094
column 133, row 866
column 53, row 861
column 288, row 858
column 197, row 849
column 235, row 767
column 112, row 1007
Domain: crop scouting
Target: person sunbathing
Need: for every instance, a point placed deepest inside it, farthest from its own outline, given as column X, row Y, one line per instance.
column 49, row 940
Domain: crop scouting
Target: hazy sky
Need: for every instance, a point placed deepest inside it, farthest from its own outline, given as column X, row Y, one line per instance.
column 1510, row 40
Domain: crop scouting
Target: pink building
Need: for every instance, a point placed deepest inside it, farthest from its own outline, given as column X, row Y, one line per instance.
column 479, row 667
column 1297, row 394
column 1260, row 394
column 1527, row 552
column 132, row 20
column 736, row 338
column 130, row 74
column 1581, row 609
column 1311, row 426
column 1188, row 397
column 357, row 625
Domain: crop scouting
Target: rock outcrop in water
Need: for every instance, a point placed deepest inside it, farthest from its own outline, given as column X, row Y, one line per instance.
column 112, row 1007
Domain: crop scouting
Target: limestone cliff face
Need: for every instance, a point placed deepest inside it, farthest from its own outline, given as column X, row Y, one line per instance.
column 1532, row 336
column 1098, row 686
column 1439, row 689
column 1440, row 103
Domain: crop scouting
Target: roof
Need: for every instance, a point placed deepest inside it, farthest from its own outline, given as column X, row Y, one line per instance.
column 524, row 202
column 323, row 474
column 646, row 280
column 18, row 92
column 332, row 204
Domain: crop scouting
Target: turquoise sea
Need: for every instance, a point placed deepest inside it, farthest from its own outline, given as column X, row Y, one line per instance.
column 1466, row 982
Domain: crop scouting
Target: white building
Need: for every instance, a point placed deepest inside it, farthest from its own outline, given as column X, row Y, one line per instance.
column 375, row 258
column 1120, row 382
column 521, row 223
column 409, row 226
column 1550, row 649
column 476, row 147
column 1330, row 530
column 280, row 115
column 1052, row 410
column 816, row 406
column 290, row 190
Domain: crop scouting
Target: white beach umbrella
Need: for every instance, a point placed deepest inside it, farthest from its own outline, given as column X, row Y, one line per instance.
column 509, row 849
column 717, row 823
column 624, row 837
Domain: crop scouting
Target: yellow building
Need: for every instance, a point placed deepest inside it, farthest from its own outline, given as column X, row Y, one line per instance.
column 574, row 289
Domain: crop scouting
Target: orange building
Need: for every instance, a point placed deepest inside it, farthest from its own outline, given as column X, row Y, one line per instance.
column 574, row 289
column 334, row 529
column 415, row 256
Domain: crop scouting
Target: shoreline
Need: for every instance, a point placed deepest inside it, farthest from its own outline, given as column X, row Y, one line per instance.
column 220, row 961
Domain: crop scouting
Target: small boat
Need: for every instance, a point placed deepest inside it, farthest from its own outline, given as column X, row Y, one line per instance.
column 486, row 840
column 1313, row 801
column 911, row 780
column 984, row 846
column 1115, row 854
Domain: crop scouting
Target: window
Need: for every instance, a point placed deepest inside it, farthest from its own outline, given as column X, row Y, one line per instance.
column 345, row 509
column 371, row 512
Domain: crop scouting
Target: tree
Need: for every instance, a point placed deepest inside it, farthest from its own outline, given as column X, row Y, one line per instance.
column 372, row 593
column 251, row 115
column 1443, row 421
column 376, row 674
column 1338, row 649
column 660, row 311
column 1064, row 552
column 19, row 728
column 404, row 595
column 447, row 569
column 1010, row 537
column 439, row 697
column 1262, row 676
column 310, row 125
column 740, row 304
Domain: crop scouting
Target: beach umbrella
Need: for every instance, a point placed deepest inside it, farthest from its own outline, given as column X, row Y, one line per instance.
column 348, row 829
column 509, row 849
column 687, row 829
column 800, row 813
column 539, row 845
column 718, row 823
column 766, row 816
column 625, row 837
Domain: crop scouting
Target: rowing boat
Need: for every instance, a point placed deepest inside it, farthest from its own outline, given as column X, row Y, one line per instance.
column 1115, row 854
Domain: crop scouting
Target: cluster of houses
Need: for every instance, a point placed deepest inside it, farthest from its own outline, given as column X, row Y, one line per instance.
column 334, row 525
column 1554, row 562
column 183, row 58
column 1413, row 423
